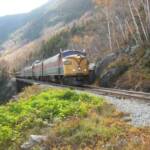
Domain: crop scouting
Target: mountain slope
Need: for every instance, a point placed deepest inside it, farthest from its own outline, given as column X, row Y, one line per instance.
column 21, row 29
column 9, row 24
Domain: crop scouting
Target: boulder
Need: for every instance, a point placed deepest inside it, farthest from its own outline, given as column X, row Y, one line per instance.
column 112, row 75
column 102, row 64
column 34, row 140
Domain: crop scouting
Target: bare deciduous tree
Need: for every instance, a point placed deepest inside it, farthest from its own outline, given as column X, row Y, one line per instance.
column 141, row 22
column 131, row 31
column 109, row 30
column 121, row 28
column 148, row 13
column 134, row 21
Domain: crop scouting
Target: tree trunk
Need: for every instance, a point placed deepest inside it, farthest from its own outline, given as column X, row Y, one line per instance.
column 148, row 14
column 142, row 25
column 135, row 24
column 131, row 31
column 109, row 31
column 121, row 28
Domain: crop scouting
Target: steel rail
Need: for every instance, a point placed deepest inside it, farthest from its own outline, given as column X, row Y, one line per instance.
column 97, row 90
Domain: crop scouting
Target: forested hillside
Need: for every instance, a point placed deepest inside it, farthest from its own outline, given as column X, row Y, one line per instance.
column 15, row 21
column 22, row 29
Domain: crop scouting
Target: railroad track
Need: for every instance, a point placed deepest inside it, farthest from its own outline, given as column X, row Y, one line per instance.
column 97, row 90
column 122, row 93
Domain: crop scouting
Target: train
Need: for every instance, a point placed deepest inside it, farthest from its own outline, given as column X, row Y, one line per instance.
column 68, row 66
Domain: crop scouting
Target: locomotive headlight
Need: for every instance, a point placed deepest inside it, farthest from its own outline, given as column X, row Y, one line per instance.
column 85, row 70
column 74, row 70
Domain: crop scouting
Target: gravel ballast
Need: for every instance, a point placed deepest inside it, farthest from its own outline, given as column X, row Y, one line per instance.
column 139, row 110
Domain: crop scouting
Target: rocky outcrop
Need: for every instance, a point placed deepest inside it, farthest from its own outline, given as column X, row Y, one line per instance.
column 7, row 90
column 112, row 75
column 108, row 75
column 102, row 64
column 111, row 71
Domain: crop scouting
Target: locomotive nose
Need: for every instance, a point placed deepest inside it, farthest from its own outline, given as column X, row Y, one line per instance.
column 78, row 66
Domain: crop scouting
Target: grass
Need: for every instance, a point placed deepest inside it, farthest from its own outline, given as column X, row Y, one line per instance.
column 40, row 109
column 100, row 131
column 79, row 121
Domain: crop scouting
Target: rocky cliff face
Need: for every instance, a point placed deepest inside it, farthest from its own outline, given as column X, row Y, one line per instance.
column 127, row 69
column 7, row 90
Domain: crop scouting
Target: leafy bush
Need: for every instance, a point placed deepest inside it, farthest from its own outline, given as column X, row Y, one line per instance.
column 17, row 118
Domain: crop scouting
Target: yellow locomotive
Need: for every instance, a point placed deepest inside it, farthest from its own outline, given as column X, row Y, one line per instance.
column 75, row 64
column 68, row 66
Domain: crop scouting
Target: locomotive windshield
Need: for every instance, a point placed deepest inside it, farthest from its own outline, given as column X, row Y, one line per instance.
column 69, row 53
